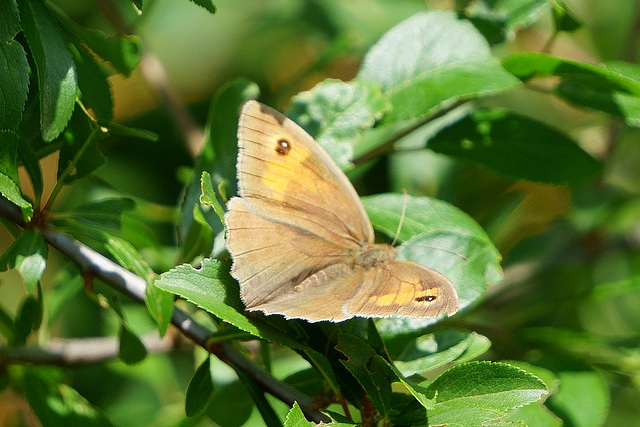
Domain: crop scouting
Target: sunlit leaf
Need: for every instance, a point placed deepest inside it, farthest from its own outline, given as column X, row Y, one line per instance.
column 57, row 79
column 478, row 392
column 211, row 288
column 28, row 254
column 430, row 58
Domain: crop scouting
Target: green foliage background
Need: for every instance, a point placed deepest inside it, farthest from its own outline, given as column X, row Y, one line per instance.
column 512, row 124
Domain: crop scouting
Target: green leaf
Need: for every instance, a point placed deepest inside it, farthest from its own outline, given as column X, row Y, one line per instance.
column 533, row 414
column 200, row 389
column 206, row 4
column 434, row 350
column 374, row 377
column 527, row 65
column 139, row 230
column 408, row 412
column 208, row 196
column 14, row 79
column 9, row 183
column 160, row 306
column 431, row 58
column 614, row 90
column 28, row 318
column 516, row 146
column 477, row 393
column 10, row 25
column 228, row 333
column 122, row 51
column 438, row 235
column 132, row 350
column 611, row 309
column 374, row 339
column 546, row 375
column 93, row 83
column 200, row 237
column 506, row 16
column 79, row 149
column 625, row 104
column 421, row 394
column 339, row 420
column 582, row 398
column 59, row 299
column 265, row 408
column 231, row 405
column 28, row 254
column 54, row 63
column 625, row 69
column 211, row 288
column 121, row 130
column 57, row 404
column 536, row 413
column 563, row 18
column 123, row 252
column 103, row 213
column 218, row 156
column 323, row 366
column 9, row 155
column 337, row 114
column 295, row 418
column 127, row 256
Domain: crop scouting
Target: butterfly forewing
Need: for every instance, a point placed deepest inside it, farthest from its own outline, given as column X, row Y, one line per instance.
column 279, row 162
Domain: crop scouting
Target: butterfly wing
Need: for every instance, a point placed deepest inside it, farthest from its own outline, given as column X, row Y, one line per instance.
column 270, row 258
column 321, row 296
column 298, row 228
column 403, row 288
column 297, row 215
column 281, row 165
column 339, row 292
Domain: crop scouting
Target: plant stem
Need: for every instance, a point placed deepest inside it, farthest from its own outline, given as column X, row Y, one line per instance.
column 62, row 178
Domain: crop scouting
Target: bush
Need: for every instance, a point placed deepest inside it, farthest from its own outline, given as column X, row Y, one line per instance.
column 517, row 154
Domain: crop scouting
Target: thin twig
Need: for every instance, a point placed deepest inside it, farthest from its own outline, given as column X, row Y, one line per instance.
column 69, row 168
column 11, row 212
column 80, row 351
column 444, row 109
column 157, row 78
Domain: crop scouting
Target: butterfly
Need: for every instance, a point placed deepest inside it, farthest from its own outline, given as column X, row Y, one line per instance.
column 300, row 238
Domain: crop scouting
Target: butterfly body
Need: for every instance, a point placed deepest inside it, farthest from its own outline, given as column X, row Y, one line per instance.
column 300, row 238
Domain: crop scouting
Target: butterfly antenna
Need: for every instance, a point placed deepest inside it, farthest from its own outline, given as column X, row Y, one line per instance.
column 404, row 210
column 402, row 215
